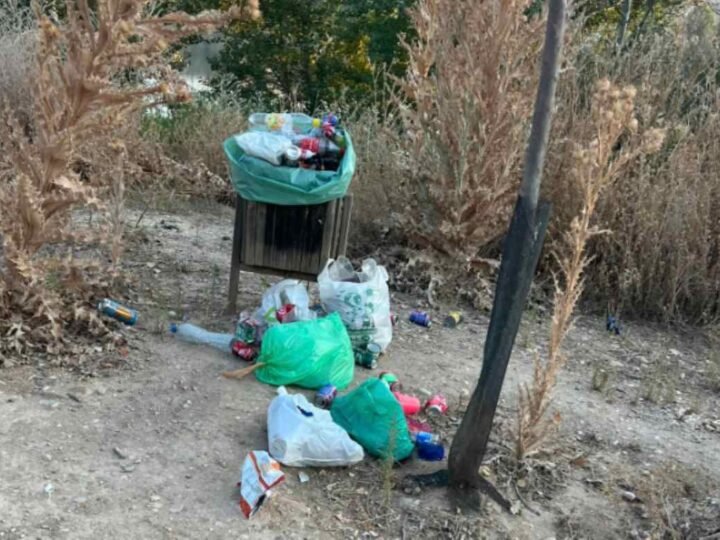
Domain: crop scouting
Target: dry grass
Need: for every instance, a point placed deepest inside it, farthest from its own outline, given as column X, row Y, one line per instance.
column 677, row 501
column 597, row 164
column 195, row 132
column 16, row 52
column 470, row 81
column 660, row 259
column 77, row 103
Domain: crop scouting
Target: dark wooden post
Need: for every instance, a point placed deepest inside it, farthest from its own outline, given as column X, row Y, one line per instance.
column 520, row 254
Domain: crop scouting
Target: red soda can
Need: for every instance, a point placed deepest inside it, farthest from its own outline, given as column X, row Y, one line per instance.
column 286, row 313
column 243, row 350
column 436, row 404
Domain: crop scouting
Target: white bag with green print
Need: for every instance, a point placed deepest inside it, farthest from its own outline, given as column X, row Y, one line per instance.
column 361, row 298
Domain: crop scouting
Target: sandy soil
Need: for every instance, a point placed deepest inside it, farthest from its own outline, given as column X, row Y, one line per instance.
column 152, row 449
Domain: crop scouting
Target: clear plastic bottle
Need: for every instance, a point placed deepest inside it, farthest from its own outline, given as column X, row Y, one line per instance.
column 289, row 123
column 194, row 334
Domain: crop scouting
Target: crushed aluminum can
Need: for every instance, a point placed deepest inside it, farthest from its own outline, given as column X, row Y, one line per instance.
column 436, row 404
column 244, row 350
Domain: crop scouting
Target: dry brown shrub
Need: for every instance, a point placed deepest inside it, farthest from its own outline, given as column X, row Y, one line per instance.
column 597, row 164
column 472, row 73
column 660, row 258
column 47, row 279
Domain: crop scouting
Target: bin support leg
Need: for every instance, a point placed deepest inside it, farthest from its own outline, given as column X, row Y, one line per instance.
column 235, row 263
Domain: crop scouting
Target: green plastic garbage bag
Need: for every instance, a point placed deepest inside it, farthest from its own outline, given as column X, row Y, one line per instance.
column 307, row 354
column 260, row 181
column 374, row 418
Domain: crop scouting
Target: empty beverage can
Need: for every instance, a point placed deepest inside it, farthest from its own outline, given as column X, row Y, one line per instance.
column 453, row 319
column 243, row 350
column 436, row 404
column 368, row 357
column 420, row 318
column 117, row 311
column 325, row 396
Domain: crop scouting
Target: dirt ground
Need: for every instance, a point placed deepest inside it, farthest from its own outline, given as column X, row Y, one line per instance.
column 152, row 448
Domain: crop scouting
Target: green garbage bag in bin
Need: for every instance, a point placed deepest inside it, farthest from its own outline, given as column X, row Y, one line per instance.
column 307, row 354
column 260, row 181
column 374, row 418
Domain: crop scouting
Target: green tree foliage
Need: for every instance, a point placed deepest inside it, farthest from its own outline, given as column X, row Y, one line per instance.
column 314, row 50
column 604, row 15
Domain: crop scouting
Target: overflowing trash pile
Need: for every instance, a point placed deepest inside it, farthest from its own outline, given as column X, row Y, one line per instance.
column 289, row 341
column 291, row 159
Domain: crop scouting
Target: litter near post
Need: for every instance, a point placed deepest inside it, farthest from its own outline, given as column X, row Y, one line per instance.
column 415, row 426
column 259, row 475
column 429, row 450
column 373, row 417
column 194, row 334
column 410, row 404
column 361, row 298
column 424, row 437
column 325, row 396
column 117, row 311
column 453, row 319
column 420, row 318
column 302, row 435
column 437, row 404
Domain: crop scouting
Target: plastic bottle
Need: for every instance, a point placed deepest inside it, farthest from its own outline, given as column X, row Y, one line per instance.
column 410, row 404
column 290, row 123
column 194, row 334
column 294, row 155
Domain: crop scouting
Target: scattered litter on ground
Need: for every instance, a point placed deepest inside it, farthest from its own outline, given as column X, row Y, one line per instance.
column 117, row 311
column 302, row 435
column 259, row 475
column 362, row 299
column 374, row 418
column 420, row 318
column 194, row 334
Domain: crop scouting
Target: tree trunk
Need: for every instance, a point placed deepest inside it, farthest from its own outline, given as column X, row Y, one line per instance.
column 623, row 24
column 520, row 253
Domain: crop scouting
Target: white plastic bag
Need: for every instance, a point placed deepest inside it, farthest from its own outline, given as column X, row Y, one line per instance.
column 287, row 291
column 268, row 146
column 259, row 474
column 361, row 298
column 302, row 435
